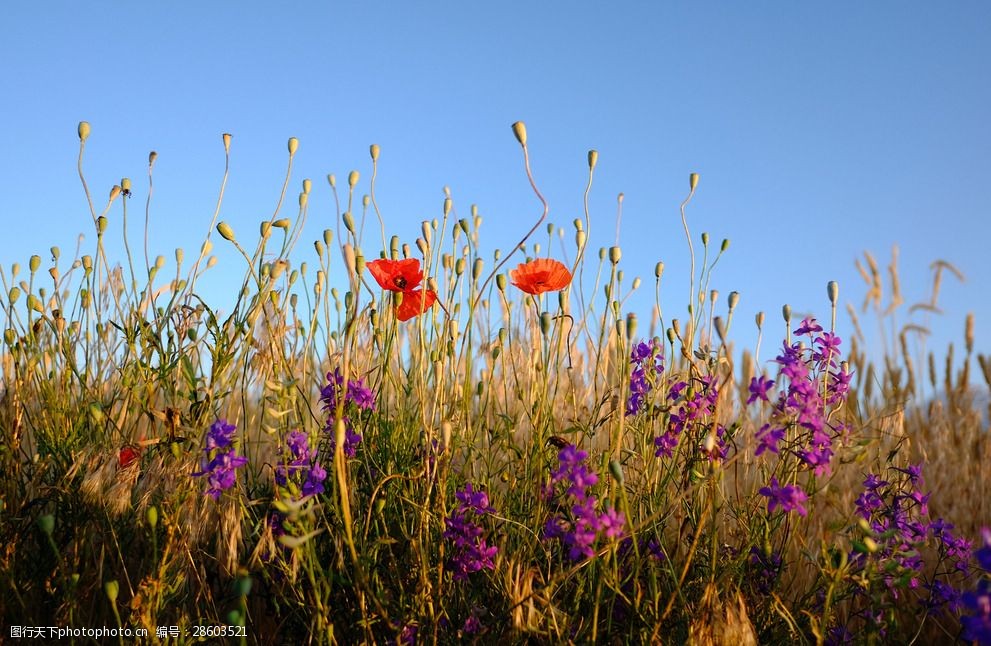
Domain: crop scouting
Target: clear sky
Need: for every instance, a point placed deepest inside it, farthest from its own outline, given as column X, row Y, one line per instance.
column 819, row 129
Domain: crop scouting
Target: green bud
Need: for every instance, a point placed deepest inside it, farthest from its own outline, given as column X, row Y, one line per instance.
column 225, row 231
column 46, row 524
column 152, row 516
column 616, row 469
column 34, row 263
column 111, row 588
column 833, row 291
column 15, row 294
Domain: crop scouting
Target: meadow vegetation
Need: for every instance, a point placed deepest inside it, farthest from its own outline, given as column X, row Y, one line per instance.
column 430, row 442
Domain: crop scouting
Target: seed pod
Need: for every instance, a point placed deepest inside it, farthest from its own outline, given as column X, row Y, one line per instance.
column 353, row 177
column 293, row 146
column 734, row 298
column 374, row 150
column 615, row 254
column 227, row 142
column 83, row 130
column 593, row 159
column 693, row 181
column 34, row 263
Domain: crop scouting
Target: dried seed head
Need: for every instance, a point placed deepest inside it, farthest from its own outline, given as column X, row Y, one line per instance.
column 152, row 156
column 227, row 142
column 615, row 254
column 265, row 229
column 332, row 180
column 282, row 223
column 83, row 130
column 705, row 238
column 374, row 150
column 734, row 298
column 293, row 146
column 34, row 263
column 786, row 313
column 328, row 236
column 631, row 327
column 125, row 184
column 969, row 333
column 101, row 225
column 724, row 246
column 307, row 186
column 353, row 177
column 114, row 192
column 593, row 159
column 693, row 181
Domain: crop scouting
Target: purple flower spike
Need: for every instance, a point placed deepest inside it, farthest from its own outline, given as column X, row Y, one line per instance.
column 788, row 497
column 221, row 468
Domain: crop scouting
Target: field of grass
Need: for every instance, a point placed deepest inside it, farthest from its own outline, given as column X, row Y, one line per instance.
column 427, row 442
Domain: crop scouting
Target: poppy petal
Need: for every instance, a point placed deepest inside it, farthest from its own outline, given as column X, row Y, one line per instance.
column 415, row 302
column 396, row 275
column 541, row 275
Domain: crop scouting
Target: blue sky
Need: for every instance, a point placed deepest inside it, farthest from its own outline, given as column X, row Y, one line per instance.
column 819, row 130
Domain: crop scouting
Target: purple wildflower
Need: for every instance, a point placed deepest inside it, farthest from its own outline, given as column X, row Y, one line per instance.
column 220, row 469
column 758, row 389
column 579, row 530
column 808, row 326
column 645, row 372
column 471, row 553
column 788, row 497
column 358, row 397
column 300, row 466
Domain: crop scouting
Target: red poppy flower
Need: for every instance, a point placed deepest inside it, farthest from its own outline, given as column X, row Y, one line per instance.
column 128, row 455
column 403, row 276
column 541, row 275
column 415, row 302
column 396, row 275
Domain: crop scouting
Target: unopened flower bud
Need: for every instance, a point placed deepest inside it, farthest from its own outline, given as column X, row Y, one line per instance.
column 519, row 129
column 693, row 181
column 101, row 225
column 734, row 298
column 593, row 158
column 225, row 231
column 786, row 313
column 374, row 150
column 227, row 142
column 833, row 291
column 332, row 180
column 83, row 130
column 353, row 177
column 293, row 145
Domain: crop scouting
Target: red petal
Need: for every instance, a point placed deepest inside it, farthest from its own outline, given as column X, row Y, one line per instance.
column 415, row 302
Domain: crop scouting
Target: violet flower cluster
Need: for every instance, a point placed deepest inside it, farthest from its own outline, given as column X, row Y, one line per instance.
column 300, row 466
column 897, row 513
column 816, row 383
column 648, row 364
column 471, row 553
column 357, row 397
column 692, row 410
column 788, row 497
column 220, row 460
column 579, row 529
column 977, row 623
